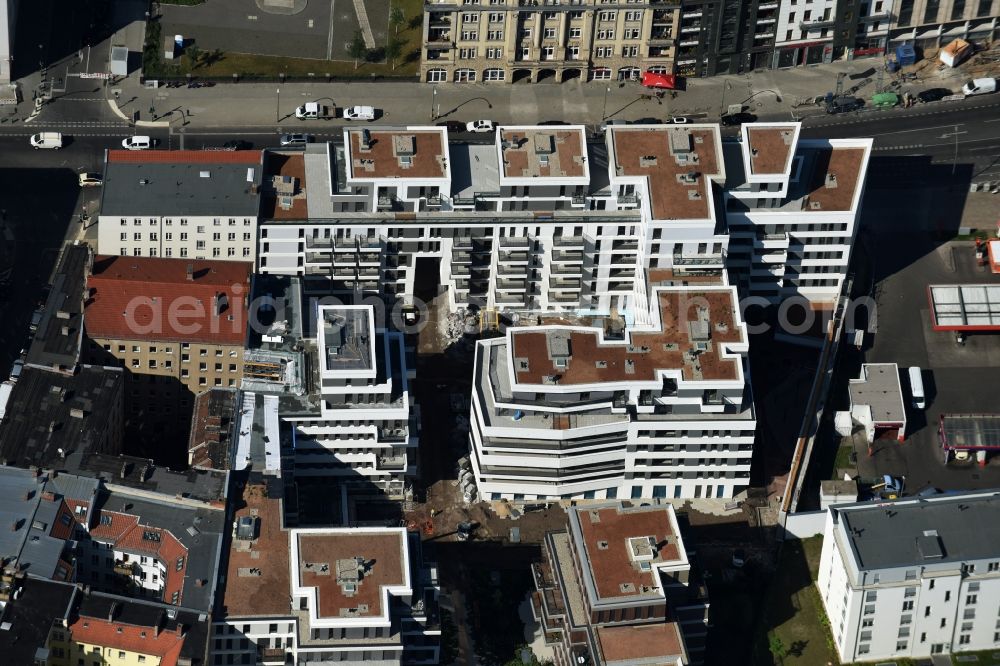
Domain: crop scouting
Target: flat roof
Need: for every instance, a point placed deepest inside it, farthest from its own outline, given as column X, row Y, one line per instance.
column 694, row 326
column 132, row 298
column 212, row 428
column 770, row 148
column 923, row 532
column 169, row 530
column 284, row 191
column 258, row 578
column 965, row 307
column 543, row 152
column 29, row 618
column 656, row 643
column 834, row 178
column 57, row 342
column 51, row 415
column 970, row 431
column 879, row 388
column 677, row 162
column 348, row 340
column 168, row 183
column 352, row 570
column 419, row 154
column 617, row 541
column 202, row 485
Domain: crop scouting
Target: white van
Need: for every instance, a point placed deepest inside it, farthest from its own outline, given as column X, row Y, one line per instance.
column 918, row 399
column 137, row 143
column 50, row 140
column 979, row 87
column 360, row 113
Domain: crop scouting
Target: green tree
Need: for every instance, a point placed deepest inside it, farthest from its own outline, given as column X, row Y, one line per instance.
column 777, row 648
column 396, row 17
column 393, row 49
column 356, row 48
column 194, row 55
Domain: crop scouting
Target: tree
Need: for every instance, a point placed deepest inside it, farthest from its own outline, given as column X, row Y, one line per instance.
column 396, row 17
column 393, row 49
column 194, row 55
column 777, row 648
column 357, row 48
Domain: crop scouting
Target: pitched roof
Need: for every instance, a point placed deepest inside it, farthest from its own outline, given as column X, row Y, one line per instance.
column 185, row 156
column 145, row 298
column 131, row 638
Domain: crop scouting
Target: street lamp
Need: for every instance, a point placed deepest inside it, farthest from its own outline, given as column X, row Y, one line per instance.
column 722, row 106
column 277, row 108
column 604, row 113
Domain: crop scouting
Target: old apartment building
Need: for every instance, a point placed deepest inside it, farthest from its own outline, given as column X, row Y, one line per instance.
column 615, row 587
column 319, row 595
column 547, row 219
column 916, row 578
column 177, row 327
column 935, row 23
column 521, row 40
column 181, row 204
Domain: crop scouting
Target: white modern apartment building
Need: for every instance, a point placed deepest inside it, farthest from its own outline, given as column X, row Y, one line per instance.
column 792, row 208
column 912, row 578
column 547, row 219
column 181, row 204
column 8, row 20
column 358, row 424
column 305, row 596
column 664, row 410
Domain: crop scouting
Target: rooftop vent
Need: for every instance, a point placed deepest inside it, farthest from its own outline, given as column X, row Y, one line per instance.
column 366, row 140
column 204, row 174
column 602, row 545
column 627, row 588
column 544, row 144
column 404, row 145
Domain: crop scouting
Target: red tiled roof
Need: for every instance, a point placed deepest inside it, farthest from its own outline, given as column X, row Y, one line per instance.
column 131, row 638
column 119, row 525
column 185, row 156
column 646, row 643
column 63, row 530
column 124, row 291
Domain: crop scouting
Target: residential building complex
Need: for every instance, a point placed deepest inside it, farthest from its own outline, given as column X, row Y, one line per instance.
column 546, row 220
column 511, row 41
column 350, row 595
column 616, row 588
column 176, row 327
column 931, row 24
column 912, row 578
column 182, row 204
column 660, row 410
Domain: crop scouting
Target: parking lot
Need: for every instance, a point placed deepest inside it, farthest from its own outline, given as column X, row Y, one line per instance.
column 299, row 28
column 957, row 378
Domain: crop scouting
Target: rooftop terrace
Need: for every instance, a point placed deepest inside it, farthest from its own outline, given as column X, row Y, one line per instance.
column 535, row 152
column 379, row 154
column 677, row 162
column 283, row 189
column 694, row 326
column 348, row 342
column 770, row 148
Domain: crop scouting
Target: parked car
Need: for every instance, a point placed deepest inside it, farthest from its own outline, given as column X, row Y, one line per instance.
column 680, row 120
column 237, row 145
column 732, row 119
column 480, row 126
column 90, row 180
column 16, row 370
column 295, row 139
column 49, row 140
column 137, row 143
column 844, row 105
column 360, row 113
column 934, row 94
column 885, row 100
column 453, row 125
column 979, row 87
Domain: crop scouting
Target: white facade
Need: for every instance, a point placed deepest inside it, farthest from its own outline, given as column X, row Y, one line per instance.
column 364, row 430
column 204, row 237
column 939, row 596
column 664, row 435
column 8, row 20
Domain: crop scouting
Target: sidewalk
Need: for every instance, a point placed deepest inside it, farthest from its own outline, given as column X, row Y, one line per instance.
column 771, row 95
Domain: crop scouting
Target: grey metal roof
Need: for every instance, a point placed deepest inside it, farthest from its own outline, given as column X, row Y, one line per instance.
column 57, row 342
column 30, row 617
column 963, row 527
column 970, row 431
column 198, row 528
column 879, row 388
column 179, row 189
column 49, row 411
column 26, row 519
column 142, row 474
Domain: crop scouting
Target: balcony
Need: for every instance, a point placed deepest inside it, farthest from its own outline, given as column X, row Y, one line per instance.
column 461, row 257
column 512, row 269
column 318, row 243
column 628, row 199
column 568, row 242
column 392, row 463
column 693, row 27
column 464, row 243
column 510, row 299
column 565, row 284
column 564, row 297
column 767, row 5
column 564, row 269
column 508, row 243
column 816, row 24
column 567, row 257
column 625, row 245
column 271, row 655
column 875, row 18
column 512, row 285
column 514, row 257
column 460, row 269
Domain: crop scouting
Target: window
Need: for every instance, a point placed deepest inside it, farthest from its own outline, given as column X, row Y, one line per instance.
column 494, row 74
column 437, row 76
column 575, row 33
column 496, row 17
column 495, row 35
column 246, row 252
column 550, row 33
column 901, row 645
column 470, row 18
column 868, row 622
column 870, row 609
column 863, row 649
column 574, row 52
column 963, row 639
column 633, row 16
column 606, row 16
column 971, row 599
column 493, row 54
column 548, row 52
column 907, row 606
